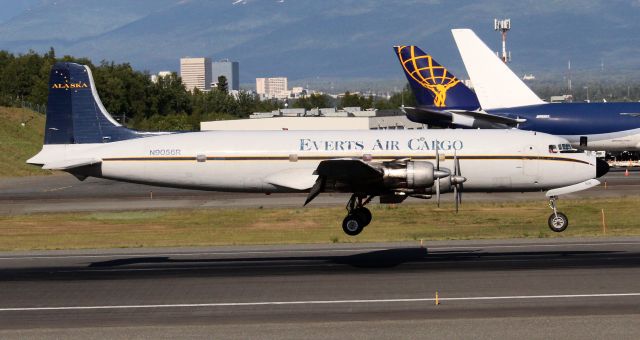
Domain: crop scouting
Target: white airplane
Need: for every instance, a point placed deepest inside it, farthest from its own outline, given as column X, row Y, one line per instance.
column 84, row 140
column 500, row 92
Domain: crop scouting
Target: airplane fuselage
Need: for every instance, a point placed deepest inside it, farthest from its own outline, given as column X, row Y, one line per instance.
column 606, row 126
column 284, row 161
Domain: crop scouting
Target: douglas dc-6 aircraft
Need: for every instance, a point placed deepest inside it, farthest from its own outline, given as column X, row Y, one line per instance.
column 503, row 101
column 84, row 140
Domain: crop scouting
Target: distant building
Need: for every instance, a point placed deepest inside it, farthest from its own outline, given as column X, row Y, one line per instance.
column 161, row 74
column 228, row 69
column 352, row 118
column 196, row 73
column 272, row 87
column 565, row 98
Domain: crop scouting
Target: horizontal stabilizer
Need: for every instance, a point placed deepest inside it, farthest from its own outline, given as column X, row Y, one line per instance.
column 296, row 179
column 71, row 163
column 455, row 118
column 573, row 188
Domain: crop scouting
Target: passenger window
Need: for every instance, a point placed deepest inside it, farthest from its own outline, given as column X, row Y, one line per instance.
column 553, row 149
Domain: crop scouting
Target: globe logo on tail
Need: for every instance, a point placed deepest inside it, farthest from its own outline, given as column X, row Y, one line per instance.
column 426, row 72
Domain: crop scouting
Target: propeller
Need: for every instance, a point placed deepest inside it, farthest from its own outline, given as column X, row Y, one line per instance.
column 438, row 174
column 438, row 169
column 457, row 180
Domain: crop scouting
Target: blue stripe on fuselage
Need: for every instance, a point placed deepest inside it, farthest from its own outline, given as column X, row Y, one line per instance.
column 575, row 118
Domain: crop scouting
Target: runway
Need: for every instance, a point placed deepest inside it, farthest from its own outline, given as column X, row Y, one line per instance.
column 64, row 193
column 569, row 288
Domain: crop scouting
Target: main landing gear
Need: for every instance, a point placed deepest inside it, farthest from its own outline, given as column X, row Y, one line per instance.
column 558, row 221
column 358, row 216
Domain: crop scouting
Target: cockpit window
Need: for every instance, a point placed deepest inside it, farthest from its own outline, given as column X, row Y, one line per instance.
column 553, row 149
column 566, row 148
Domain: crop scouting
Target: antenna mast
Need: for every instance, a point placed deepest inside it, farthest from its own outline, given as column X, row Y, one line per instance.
column 503, row 26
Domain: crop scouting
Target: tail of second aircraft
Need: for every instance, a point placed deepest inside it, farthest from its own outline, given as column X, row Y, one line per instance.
column 431, row 83
column 497, row 86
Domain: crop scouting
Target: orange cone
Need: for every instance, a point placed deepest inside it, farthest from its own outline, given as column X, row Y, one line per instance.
column 626, row 172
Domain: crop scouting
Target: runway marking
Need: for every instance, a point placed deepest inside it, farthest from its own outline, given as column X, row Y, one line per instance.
column 352, row 250
column 317, row 302
column 57, row 189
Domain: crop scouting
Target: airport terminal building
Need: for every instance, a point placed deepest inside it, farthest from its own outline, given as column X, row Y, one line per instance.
column 349, row 118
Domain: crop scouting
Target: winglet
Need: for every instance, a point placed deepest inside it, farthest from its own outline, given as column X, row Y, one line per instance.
column 495, row 84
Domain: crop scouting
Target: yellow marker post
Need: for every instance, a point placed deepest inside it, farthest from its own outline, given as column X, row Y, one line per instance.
column 604, row 224
column 437, row 299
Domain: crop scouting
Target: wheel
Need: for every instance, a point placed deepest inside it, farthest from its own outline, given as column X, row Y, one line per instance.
column 353, row 224
column 558, row 223
column 364, row 214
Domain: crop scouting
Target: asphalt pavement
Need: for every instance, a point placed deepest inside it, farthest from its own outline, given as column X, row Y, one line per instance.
column 559, row 288
column 64, row 193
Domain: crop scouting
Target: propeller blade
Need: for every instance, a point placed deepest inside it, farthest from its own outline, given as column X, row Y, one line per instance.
column 438, row 192
column 458, row 180
column 437, row 157
column 455, row 196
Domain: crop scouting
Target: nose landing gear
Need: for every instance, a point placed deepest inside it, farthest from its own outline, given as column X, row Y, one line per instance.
column 558, row 221
column 358, row 216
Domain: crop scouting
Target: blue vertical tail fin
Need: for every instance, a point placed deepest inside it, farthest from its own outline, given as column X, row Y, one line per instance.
column 433, row 84
column 75, row 114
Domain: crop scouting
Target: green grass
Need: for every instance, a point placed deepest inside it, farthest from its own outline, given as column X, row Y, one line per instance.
column 203, row 227
column 19, row 143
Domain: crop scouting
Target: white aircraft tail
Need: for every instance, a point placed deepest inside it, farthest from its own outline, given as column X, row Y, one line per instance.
column 494, row 83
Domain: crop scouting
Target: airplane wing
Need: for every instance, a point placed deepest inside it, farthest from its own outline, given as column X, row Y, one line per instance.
column 451, row 118
column 71, row 163
column 297, row 179
column 354, row 173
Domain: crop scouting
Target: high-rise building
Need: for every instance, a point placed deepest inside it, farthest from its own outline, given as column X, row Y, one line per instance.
column 228, row 69
column 272, row 87
column 196, row 73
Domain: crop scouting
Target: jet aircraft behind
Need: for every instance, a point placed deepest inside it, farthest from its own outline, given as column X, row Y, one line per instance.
column 84, row 140
column 504, row 101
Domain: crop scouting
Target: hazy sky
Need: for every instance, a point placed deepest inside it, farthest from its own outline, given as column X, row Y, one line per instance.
column 11, row 8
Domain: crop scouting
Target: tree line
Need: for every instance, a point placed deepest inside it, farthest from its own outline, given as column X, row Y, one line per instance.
column 129, row 95
column 132, row 98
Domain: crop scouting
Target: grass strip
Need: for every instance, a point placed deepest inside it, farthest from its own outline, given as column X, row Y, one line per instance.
column 203, row 227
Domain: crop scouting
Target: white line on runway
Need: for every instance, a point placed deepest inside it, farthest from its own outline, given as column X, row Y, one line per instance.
column 320, row 250
column 317, row 302
column 57, row 189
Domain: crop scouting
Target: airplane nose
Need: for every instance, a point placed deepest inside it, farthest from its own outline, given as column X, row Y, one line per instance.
column 602, row 167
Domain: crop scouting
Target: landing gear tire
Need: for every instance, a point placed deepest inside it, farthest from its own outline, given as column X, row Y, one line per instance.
column 558, row 222
column 364, row 214
column 353, row 224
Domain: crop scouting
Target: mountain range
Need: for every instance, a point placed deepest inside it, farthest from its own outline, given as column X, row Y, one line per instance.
column 329, row 39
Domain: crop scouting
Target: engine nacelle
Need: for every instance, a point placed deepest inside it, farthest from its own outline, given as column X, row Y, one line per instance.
column 410, row 175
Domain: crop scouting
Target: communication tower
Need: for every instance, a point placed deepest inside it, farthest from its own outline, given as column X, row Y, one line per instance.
column 503, row 26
